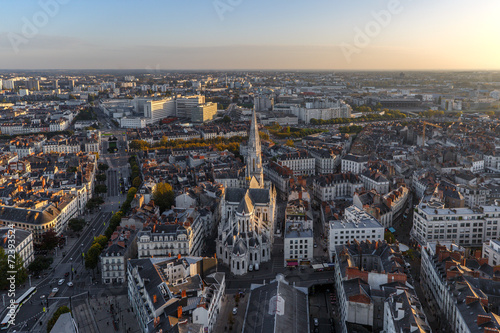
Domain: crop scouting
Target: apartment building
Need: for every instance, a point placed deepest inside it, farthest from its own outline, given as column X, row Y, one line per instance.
column 462, row 290
column 122, row 246
column 355, row 225
column 300, row 162
column 353, row 163
column 432, row 221
column 334, row 186
column 374, row 180
column 22, row 242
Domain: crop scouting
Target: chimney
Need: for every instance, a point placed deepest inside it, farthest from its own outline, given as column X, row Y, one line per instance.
column 179, row 256
column 482, row 319
column 477, row 254
column 183, row 293
column 179, row 312
column 154, row 298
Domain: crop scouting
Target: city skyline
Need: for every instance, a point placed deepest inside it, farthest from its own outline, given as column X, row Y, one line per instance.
column 232, row 35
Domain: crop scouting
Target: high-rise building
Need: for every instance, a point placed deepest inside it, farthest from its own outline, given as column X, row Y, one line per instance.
column 33, row 84
column 204, row 112
column 8, row 84
column 157, row 110
column 187, row 105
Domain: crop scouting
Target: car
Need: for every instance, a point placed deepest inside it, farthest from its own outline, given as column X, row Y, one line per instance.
column 61, row 281
column 55, row 290
column 66, row 274
column 256, row 266
column 316, row 322
column 70, row 284
column 315, row 245
column 235, row 310
column 250, row 268
column 70, row 259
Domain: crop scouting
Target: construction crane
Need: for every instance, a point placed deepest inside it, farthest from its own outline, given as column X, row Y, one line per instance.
column 430, row 124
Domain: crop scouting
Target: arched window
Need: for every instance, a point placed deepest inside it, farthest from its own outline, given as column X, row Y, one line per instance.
column 238, row 265
column 263, row 253
column 255, row 256
column 243, row 265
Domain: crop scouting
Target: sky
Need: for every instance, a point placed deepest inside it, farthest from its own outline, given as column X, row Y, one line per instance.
column 250, row 34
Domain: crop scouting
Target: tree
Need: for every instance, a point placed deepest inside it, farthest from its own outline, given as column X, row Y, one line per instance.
column 6, row 265
column 226, row 119
column 139, row 145
column 94, row 202
column 290, row 143
column 136, row 182
column 76, row 224
column 101, row 189
column 49, row 240
column 39, row 264
column 103, row 167
column 101, row 240
column 57, row 314
column 92, row 256
column 389, row 237
column 163, row 196
column 101, row 177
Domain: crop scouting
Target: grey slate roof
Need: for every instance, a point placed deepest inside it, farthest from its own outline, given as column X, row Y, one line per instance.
column 277, row 307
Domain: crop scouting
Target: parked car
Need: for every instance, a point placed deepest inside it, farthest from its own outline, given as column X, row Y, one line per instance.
column 250, row 268
column 235, row 310
column 316, row 322
column 256, row 266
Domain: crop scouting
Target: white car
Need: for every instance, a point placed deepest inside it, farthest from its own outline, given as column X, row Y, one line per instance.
column 70, row 284
column 61, row 282
column 250, row 268
column 235, row 311
column 55, row 290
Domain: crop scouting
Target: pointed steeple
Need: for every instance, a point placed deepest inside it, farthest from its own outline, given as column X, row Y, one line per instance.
column 254, row 153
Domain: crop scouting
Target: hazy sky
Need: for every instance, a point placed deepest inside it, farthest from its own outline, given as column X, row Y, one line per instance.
column 250, row 34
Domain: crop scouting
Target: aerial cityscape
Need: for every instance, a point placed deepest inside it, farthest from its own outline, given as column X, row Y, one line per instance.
column 249, row 166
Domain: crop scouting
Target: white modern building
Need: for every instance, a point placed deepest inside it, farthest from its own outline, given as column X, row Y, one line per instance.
column 433, row 222
column 157, row 110
column 356, row 224
column 491, row 251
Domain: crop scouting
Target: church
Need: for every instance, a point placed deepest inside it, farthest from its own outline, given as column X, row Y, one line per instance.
column 248, row 214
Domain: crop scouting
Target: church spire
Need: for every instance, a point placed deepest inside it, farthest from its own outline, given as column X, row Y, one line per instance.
column 254, row 153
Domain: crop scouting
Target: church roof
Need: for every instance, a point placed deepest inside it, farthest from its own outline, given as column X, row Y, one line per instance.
column 246, row 205
column 235, row 194
column 259, row 195
column 240, row 247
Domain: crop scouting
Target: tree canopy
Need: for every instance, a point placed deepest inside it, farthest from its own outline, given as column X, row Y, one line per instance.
column 163, row 196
